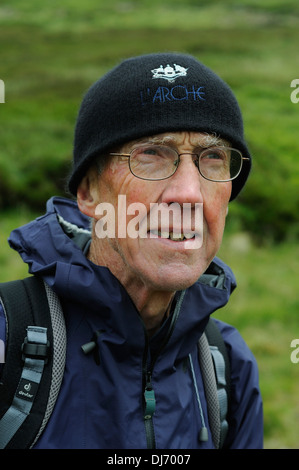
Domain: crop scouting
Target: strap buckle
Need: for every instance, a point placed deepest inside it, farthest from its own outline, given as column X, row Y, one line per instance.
column 35, row 350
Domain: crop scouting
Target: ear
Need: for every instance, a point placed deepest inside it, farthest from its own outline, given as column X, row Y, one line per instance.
column 87, row 193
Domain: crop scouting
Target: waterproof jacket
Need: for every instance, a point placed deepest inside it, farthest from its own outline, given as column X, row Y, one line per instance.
column 102, row 405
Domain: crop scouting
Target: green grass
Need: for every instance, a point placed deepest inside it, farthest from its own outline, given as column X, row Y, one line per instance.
column 11, row 264
column 264, row 308
column 52, row 52
column 137, row 14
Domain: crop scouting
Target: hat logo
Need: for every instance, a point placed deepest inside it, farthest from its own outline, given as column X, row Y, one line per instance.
column 169, row 73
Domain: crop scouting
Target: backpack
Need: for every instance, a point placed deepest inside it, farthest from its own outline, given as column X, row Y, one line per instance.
column 35, row 361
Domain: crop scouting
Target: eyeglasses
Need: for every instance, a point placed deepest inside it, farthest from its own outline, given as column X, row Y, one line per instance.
column 159, row 162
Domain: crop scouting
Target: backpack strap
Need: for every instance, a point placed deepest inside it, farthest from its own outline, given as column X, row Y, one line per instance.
column 215, row 367
column 59, row 353
column 27, row 390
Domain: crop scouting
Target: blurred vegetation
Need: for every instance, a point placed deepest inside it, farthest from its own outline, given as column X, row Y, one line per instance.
column 265, row 309
column 52, row 52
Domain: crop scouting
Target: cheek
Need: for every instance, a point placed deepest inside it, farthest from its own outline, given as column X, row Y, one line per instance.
column 139, row 195
column 215, row 207
column 131, row 208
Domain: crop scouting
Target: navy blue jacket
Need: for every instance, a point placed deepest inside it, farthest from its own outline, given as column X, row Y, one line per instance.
column 102, row 406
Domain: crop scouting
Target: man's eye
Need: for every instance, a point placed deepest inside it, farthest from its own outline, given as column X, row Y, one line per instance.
column 215, row 156
column 150, row 151
column 156, row 151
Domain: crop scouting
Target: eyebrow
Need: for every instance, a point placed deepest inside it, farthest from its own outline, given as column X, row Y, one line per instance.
column 205, row 141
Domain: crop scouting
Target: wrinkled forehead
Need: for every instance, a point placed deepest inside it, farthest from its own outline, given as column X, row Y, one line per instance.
column 195, row 139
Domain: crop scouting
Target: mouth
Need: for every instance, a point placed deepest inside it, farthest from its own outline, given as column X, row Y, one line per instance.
column 177, row 237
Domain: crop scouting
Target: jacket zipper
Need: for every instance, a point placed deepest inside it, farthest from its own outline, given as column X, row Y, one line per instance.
column 150, row 406
column 149, row 393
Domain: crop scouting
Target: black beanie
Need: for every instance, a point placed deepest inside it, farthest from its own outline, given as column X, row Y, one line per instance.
column 153, row 94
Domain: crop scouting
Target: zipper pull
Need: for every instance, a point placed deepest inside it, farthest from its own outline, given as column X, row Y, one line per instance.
column 150, row 400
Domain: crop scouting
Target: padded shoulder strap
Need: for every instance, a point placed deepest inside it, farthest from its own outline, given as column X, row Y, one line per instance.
column 215, row 339
column 26, row 305
column 59, row 354
column 215, row 367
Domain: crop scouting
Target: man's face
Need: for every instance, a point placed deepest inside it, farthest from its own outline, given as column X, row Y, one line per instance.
column 162, row 263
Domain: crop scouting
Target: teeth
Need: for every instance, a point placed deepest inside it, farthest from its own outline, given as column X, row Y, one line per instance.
column 176, row 236
column 172, row 235
column 189, row 235
column 155, row 233
column 164, row 234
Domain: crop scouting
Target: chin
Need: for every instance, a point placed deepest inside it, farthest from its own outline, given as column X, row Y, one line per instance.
column 172, row 283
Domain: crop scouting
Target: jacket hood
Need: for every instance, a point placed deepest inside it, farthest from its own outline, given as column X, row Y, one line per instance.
column 54, row 247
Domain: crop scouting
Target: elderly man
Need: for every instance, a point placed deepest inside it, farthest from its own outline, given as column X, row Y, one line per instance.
column 163, row 133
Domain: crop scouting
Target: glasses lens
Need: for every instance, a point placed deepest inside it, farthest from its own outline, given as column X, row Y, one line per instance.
column 153, row 162
column 220, row 163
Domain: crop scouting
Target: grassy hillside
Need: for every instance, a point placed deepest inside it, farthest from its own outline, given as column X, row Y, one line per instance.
column 51, row 53
column 265, row 308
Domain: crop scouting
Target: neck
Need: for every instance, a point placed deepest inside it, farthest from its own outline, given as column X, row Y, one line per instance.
column 153, row 307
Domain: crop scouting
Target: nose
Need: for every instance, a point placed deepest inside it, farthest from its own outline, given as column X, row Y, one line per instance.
column 185, row 186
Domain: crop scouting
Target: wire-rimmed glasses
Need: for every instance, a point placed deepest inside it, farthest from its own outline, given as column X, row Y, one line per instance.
column 159, row 162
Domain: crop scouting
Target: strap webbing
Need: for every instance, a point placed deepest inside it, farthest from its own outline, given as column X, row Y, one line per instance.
column 27, row 388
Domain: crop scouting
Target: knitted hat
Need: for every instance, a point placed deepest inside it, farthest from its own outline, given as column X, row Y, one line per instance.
column 153, row 94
